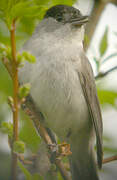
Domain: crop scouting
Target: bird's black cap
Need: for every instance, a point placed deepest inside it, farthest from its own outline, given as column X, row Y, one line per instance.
column 66, row 14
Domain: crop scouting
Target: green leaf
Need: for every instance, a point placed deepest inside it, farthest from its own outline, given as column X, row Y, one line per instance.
column 5, row 51
column 29, row 57
column 24, row 90
column 107, row 96
column 104, row 43
column 24, row 9
column 25, row 171
column 86, row 39
column 18, row 146
column 7, row 128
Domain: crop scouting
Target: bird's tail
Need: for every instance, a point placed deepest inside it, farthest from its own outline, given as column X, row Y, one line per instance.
column 83, row 165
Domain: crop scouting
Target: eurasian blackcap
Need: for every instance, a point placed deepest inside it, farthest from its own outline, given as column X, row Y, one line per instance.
column 63, row 87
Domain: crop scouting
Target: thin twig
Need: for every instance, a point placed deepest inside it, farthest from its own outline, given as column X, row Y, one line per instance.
column 15, row 98
column 36, row 117
column 8, row 66
column 107, row 160
column 101, row 75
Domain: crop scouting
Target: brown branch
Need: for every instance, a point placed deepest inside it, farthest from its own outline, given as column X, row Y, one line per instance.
column 36, row 117
column 101, row 75
column 15, row 98
column 107, row 160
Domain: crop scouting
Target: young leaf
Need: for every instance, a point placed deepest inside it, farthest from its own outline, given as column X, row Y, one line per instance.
column 18, row 146
column 7, row 128
column 29, row 57
column 24, row 90
column 104, row 43
column 5, row 51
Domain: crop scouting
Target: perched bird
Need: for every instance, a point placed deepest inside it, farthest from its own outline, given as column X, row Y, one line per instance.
column 63, row 87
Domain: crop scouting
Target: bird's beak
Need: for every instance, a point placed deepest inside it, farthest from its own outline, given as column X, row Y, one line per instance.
column 80, row 21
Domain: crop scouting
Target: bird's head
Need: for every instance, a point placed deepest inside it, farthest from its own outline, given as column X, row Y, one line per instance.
column 67, row 14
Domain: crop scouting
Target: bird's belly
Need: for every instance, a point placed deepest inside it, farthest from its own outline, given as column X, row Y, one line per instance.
column 60, row 98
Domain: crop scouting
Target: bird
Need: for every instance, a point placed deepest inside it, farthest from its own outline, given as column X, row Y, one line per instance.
column 63, row 87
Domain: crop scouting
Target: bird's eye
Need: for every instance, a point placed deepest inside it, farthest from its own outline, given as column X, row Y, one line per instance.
column 59, row 17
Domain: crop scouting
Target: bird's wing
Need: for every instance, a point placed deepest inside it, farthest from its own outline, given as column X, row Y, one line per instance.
column 89, row 88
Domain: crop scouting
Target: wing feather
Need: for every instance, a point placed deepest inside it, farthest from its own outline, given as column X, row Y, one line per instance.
column 89, row 88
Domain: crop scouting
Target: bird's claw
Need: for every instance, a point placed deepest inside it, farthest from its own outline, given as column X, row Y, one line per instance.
column 64, row 149
column 59, row 151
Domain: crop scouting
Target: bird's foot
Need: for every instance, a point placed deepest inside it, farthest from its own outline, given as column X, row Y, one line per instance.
column 59, row 151
column 64, row 149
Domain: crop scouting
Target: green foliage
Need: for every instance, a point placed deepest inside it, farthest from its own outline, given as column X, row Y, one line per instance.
column 29, row 57
column 24, row 90
column 7, row 128
column 5, row 51
column 27, row 174
column 86, row 40
column 18, row 146
column 11, row 10
column 104, row 43
column 65, row 2
column 25, row 56
column 50, row 3
column 28, row 133
column 107, row 97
